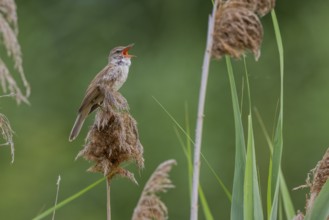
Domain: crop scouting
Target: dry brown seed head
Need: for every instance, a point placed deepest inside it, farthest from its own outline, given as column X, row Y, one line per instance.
column 320, row 176
column 321, row 173
column 261, row 7
column 237, row 29
column 150, row 206
column 111, row 141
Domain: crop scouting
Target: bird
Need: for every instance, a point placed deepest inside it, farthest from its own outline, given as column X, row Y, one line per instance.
column 109, row 79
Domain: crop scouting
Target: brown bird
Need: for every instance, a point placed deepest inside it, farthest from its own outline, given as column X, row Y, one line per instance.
column 109, row 80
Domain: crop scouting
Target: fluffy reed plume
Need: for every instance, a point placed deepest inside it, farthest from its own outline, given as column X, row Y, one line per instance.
column 8, row 33
column 261, row 7
column 8, row 36
column 9, row 83
column 7, row 134
column 113, row 139
column 150, row 206
column 315, row 181
column 320, row 175
column 8, row 9
column 237, row 29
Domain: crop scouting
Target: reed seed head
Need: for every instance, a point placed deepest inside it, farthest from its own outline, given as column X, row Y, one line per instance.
column 112, row 140
column 237, row 29
column 320, row 176
column 7, row 134
column 150, row 206
column 8, row 10
column 8, row 36
column 261, row 7
column 315, row 181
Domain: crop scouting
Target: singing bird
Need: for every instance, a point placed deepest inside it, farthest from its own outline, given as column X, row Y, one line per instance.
column 110, row 79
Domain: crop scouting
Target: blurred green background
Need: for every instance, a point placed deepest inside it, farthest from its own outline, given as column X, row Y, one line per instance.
column 65, row 43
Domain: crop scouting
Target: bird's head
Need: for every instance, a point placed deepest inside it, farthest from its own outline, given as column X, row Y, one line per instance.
column 120, row 54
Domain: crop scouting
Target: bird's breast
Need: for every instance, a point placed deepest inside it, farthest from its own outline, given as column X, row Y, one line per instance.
column 117, row 76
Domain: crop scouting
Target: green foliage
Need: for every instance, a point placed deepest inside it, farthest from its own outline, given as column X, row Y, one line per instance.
column 188, row 154
column 252, row 200
column 278, row 139
column 252, row 207
column 68, row 200
column 237, row 208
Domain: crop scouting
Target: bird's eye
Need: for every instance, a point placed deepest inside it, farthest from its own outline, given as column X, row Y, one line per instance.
column 118, row 51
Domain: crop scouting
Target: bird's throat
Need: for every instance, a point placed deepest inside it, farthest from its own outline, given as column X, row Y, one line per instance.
column 121, row 62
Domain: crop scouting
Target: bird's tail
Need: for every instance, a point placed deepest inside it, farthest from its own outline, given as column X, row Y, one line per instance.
column 77, row 126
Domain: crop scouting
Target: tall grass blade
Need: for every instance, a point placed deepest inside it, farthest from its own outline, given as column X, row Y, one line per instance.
column 278, row 139
column 173, row 120
column 269, row 191
column 240, row 151
column 275, row 203
column 188, row 147
column 219, row 180
column 248, row 180
column 204, row 204
column 188, row 155
column 247, row 82
column 187, row 134
column 252, row 196
column 286, row 199
column 57, row 193
column 252, row 200
column 258, row 209
column 68, row 200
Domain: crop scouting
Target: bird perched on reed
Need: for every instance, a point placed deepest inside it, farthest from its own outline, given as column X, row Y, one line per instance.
column 106, row 82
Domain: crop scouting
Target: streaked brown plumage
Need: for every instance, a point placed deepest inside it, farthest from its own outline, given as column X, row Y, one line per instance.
column 109, row 80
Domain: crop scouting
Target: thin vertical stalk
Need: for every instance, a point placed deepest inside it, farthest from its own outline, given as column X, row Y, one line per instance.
column 57, row 192
column 199, row 123
column 108, row 199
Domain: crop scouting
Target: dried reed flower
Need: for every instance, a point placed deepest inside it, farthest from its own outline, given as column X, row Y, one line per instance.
column 113, row 140
column 320, row 176
column 7, row 134
column 237, row 29
column 261, row 7
column 8, row 82
column 315, row 181
column 8, row 32
column 149, row 205
column 8, row 9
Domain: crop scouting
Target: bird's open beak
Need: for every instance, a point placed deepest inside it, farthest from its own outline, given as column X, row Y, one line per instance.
column 125, row 51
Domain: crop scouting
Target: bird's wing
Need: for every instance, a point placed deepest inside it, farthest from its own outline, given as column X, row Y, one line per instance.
column 89, row 99
column 93, row 91
column 94, row 96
